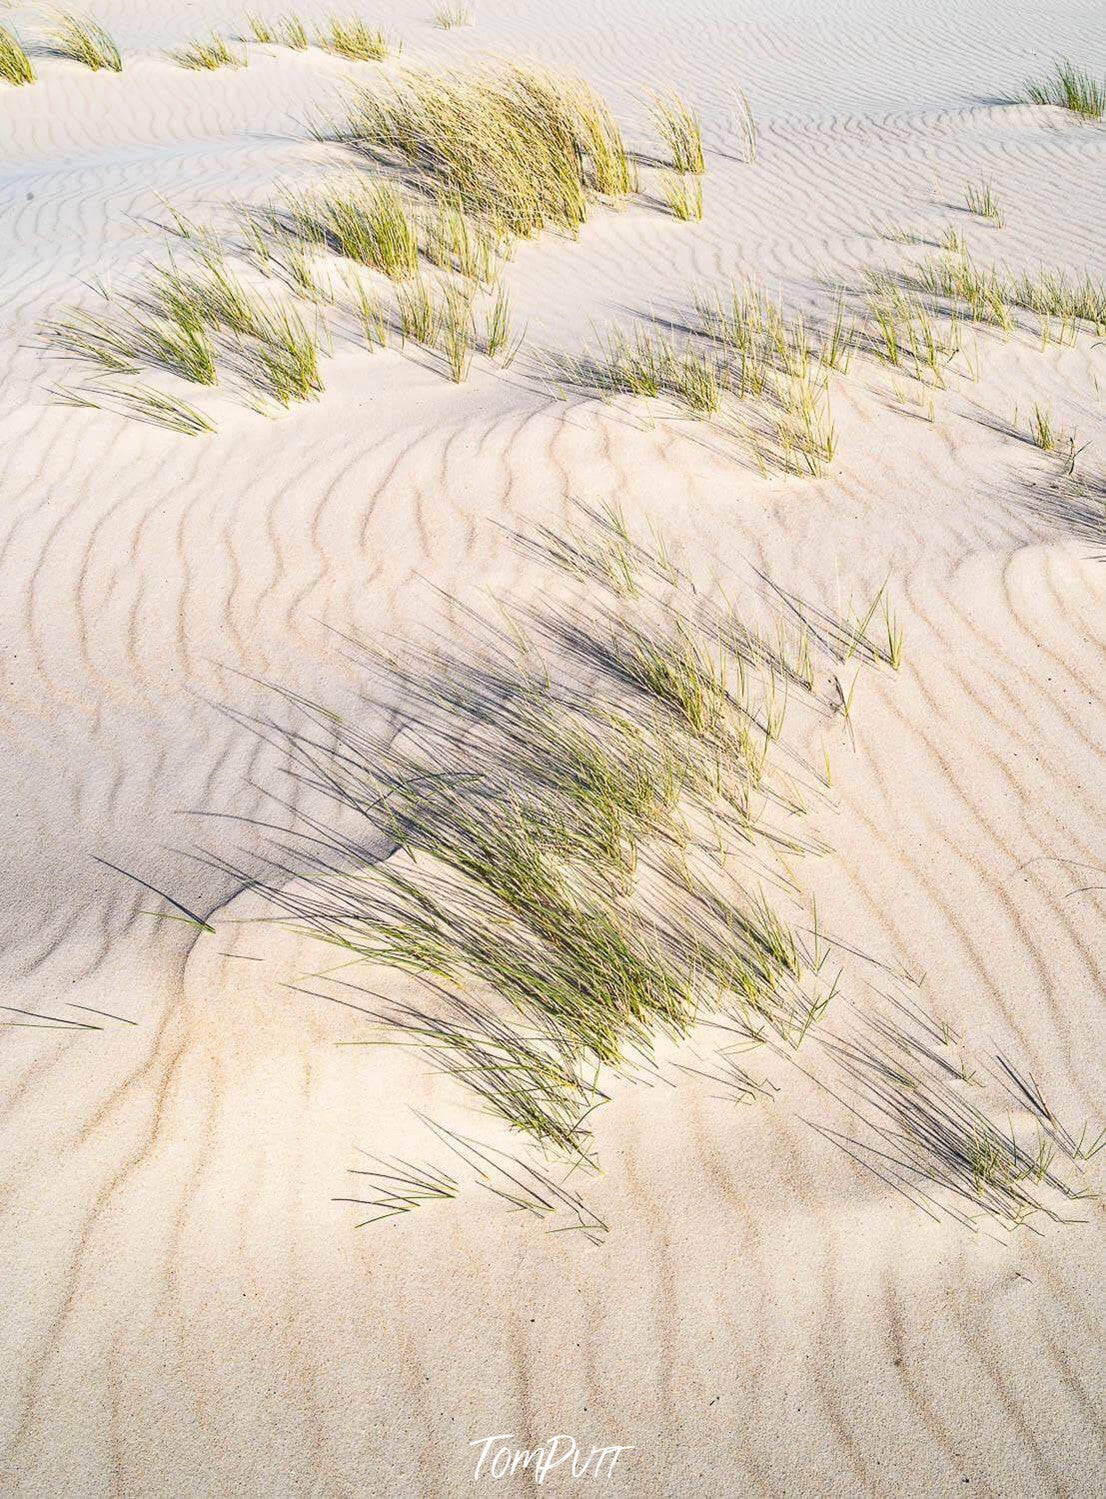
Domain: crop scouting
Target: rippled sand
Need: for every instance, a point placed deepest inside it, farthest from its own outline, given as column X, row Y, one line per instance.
column 186, row 1309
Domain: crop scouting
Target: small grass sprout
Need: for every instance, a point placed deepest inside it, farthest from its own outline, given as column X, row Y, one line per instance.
column 1041, row 431
column 15, row 65
column 680, row 129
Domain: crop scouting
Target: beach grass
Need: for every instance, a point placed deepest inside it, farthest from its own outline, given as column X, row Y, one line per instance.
column 1072, row 88
column 208, row 55
column 684, row 197
column 980, row 200
column 353, row 38
column 450, row 16
column 457, row 330
column 85, row 41
column 15, row 65
column 367, row 224
column 680, row 129
column 516, row 149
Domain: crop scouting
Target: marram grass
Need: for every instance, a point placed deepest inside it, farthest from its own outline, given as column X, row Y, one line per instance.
column 516, row 149
column 208, row 55
column 85, row 41
column 1072, row 88
column 15, row 65
column 355, row 39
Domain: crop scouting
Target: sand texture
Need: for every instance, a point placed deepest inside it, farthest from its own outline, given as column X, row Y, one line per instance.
column 771, row 1307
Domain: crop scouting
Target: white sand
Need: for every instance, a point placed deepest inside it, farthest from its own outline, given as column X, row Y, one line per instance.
column 186, row 1311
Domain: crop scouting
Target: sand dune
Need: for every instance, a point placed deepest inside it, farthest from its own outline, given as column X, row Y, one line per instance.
column 188, row 1309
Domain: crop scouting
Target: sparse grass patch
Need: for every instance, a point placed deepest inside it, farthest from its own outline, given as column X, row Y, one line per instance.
column 981, row 200
column 680, row 129
column 15, row 65
column 418, row 315
column 85, row 41
column 498, row 343
column 262, row 31
column 206, row 56
column 1071, row 88
column 142, row 403
column 458, row 331
column 447, row 17
column 1041, row 431
column 355, row 39
column 186, row 322
column 366, row 224
column 652, row 364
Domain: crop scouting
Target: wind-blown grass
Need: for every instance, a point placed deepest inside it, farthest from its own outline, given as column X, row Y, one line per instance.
column 366, row 224
column 15, row 65
column 454, row 14
column 981, row 200
column 684, row 198
column 206, row 56
column 1070, row 88
column 516, row 149
column 680, row 129
column 85, row 41
column 186, row 322
column 540, row 792
column 355, row 39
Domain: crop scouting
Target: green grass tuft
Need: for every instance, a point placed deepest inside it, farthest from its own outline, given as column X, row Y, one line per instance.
column 353, row 38
column 680, row 129
column 15, row 65
column 206, row 56
column 1071, row 88
column 85, row 41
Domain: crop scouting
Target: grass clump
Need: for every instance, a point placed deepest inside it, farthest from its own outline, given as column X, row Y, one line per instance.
column 652, row 363
column 680, row 129
column 459, row 243
column 87, row 42
column 368, row 225
column 458, row 331
column 684, row 199
column 206, row 56
column 1071, row 88
column 1041, row 430
column 514, row 148
column 170, row 337
column 981, row 201
column 15, row 65
column 184, row 322
column 353, row 38
column 418, row 315
column 448, row 17
column 498, row 342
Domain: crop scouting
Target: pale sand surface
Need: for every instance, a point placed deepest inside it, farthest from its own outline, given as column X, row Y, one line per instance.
column 185, row 1309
